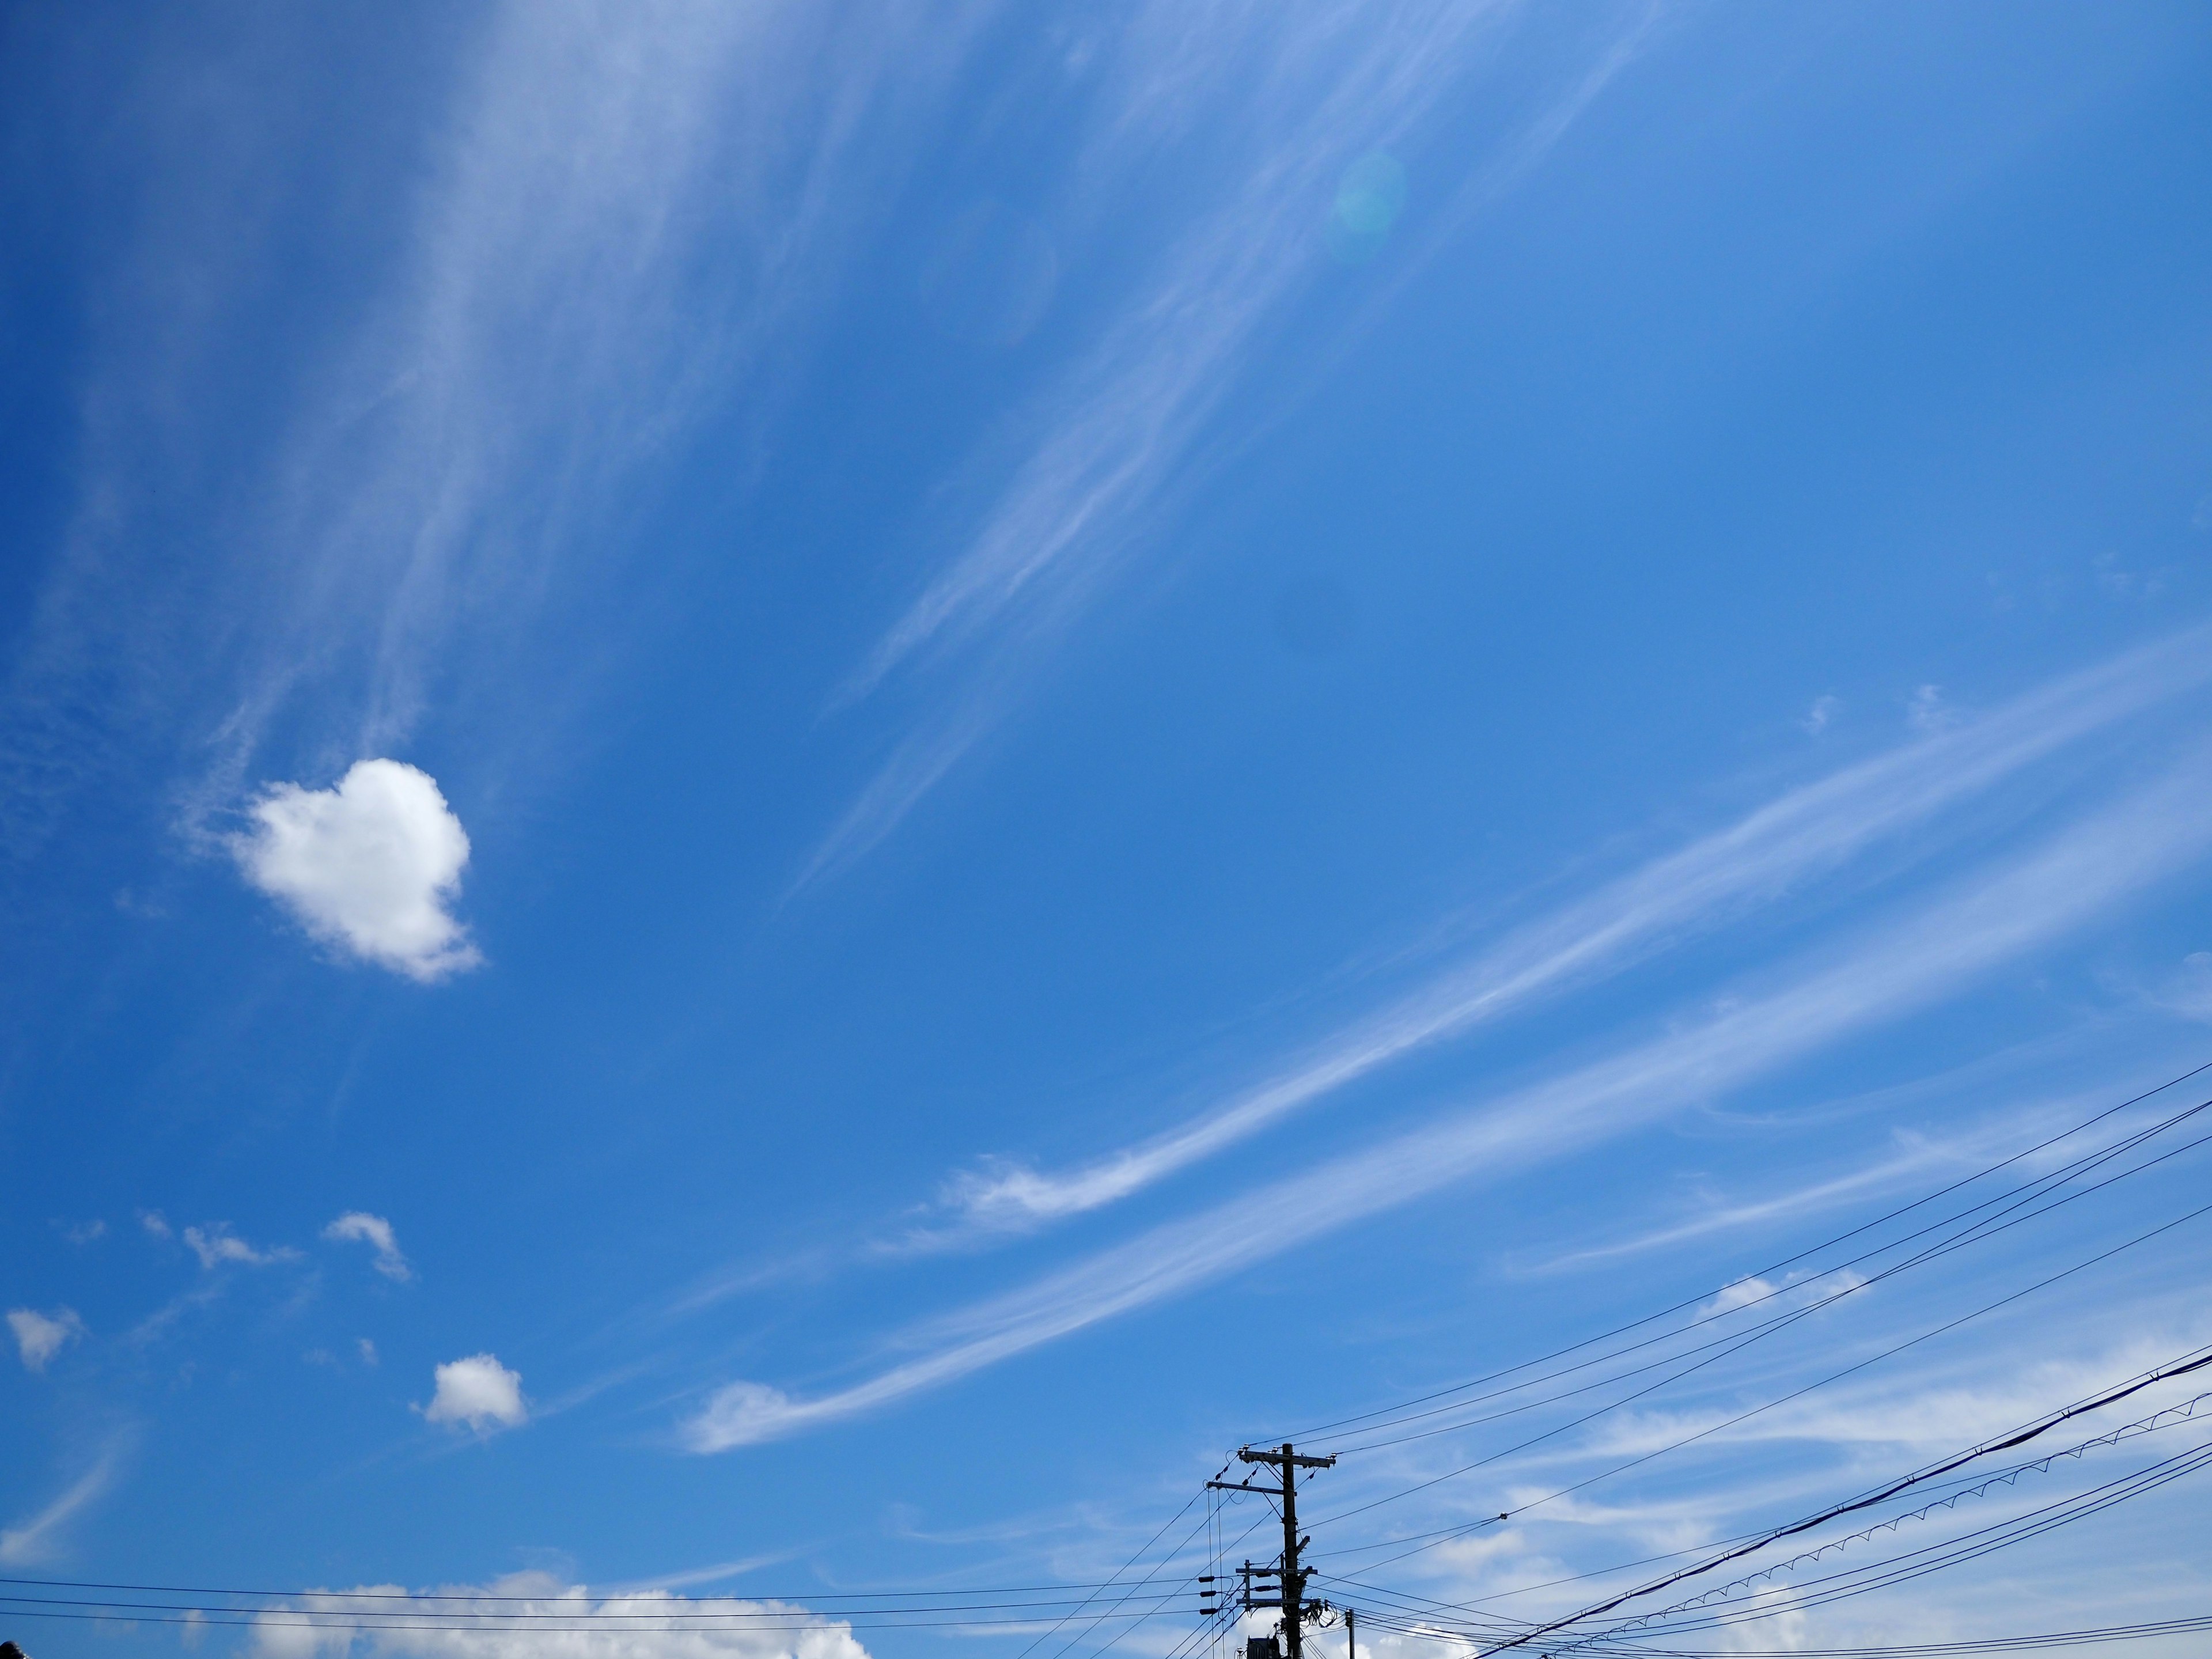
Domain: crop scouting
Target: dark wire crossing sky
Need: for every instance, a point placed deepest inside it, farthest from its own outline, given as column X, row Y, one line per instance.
column 792, row 794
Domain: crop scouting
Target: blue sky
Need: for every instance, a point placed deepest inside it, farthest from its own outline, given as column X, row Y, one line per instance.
column 793, row 793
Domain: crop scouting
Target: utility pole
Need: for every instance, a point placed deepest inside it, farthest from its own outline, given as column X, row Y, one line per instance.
column 1285, row 1462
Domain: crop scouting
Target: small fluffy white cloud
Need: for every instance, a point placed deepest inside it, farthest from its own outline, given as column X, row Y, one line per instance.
column 40, row 1336
column 216, row 1244
column 369, row 865
column 644, row 1624
column 478, row 1391
column 373, row 1230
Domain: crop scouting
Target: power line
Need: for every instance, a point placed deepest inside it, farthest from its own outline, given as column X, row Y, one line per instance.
column 1319, row 1432
column 1969, row 1487
column 812, row 1596
column 1980, row 1233
column 2145, row 1631
column 1141, row 1550
column 1796, row 1394
column 1933, row 1557
column 1983, row 1227
column 2021, row 1437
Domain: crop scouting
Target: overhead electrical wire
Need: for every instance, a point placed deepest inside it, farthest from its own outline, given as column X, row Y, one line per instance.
column 1932, row 1557
column 1981, row 1232
column 1985, row 1227
column 2028, row 1201
column 2188, row 1364
column 1966, row 1487
column 1319, row 1433
column 1134, row 1600
column 816, row 1595
column 1833, row 1377
column 2151, row 1630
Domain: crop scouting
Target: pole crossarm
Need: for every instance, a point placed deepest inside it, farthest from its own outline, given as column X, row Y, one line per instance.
column 1284, row 1459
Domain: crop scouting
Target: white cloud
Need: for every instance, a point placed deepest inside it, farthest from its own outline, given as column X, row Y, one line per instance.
column 156, row 1224
column 1801, row 835
column 369, row 865
column 376, row 1233
column 40, row 1336
column 2078, row 875
column 1817, row 716
column 367, row 1351
column 478, row 1391
column 549, row 1620
column 1291, row 103
column 744, row 1414
column 1915, row 1157
column 36, row 1540
column 216, row 1244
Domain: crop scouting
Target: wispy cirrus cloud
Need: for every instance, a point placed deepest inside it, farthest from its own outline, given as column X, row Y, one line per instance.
column 2072, row 878
column 1294, row 99
column 38, row 1538
column 1760, row 858
column 1908, row 1162
column 619, row 216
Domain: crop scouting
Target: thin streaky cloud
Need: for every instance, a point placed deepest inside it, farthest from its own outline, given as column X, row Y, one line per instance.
column 622, row 213
column 545, row 316
column 1127, row 420
column 1930, row 1401
column 38, row 1538
column 1759, row 857
column 1130, row 408
column 714, row 1575
column 1927, row 1408
column 1911, row 1160
column 2085, row 872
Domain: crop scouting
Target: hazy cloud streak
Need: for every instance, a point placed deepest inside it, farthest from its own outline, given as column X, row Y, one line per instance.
column 1329, row 86
column 2063, row 884
column 1807, row 832
column 37, row 1539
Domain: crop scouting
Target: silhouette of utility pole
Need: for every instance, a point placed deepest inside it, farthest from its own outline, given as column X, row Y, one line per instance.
column 1292, row 1588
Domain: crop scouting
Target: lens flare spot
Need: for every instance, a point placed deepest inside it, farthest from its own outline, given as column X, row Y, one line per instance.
column 1369, row 198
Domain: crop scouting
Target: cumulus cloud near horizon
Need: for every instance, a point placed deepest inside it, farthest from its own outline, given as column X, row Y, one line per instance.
column 638, row 1624
column 370, row 866
column 40, row 1336
column 478, row 1393
column 358, row 1226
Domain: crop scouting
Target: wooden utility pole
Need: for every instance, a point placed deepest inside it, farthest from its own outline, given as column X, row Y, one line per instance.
column 1285, row 1462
